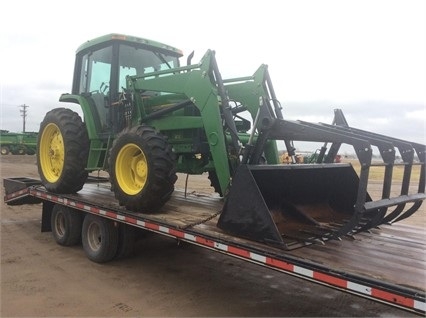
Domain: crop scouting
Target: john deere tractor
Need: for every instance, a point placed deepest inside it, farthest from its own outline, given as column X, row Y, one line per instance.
column 147, row 117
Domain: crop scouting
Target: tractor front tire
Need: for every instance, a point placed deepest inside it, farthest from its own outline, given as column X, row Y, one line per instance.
column 142, row 169
column 62, row 151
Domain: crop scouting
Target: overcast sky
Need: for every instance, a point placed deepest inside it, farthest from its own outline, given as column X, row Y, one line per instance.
column 365, row 57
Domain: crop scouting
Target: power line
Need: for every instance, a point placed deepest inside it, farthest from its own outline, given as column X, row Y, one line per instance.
column 23, row 111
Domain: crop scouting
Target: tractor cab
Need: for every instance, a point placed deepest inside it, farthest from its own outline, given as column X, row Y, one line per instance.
column 101, row 68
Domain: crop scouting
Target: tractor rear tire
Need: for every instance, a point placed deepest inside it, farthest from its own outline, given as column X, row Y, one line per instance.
column 62, row 151
column 142, row 169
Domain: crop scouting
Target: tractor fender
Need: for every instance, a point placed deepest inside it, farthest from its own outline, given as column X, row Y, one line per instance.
column 89, row 116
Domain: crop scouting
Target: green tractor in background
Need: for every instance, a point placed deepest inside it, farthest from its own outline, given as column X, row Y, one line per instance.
column 147, row 117
column 18, row 143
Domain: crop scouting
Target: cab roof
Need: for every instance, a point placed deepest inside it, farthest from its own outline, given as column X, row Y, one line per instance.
column 128, row 39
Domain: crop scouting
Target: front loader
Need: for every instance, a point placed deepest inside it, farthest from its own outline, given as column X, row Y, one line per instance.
column 146, row 117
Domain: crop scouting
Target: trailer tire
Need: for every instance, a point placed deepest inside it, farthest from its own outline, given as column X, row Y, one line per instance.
column 142, row 169
column 62, row 151
column 66, row 225
column 100, row 238
column 126, row 241
column 5, row 150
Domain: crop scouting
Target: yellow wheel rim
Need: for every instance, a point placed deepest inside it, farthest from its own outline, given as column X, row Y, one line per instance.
column 52, row 153
column 131, row 169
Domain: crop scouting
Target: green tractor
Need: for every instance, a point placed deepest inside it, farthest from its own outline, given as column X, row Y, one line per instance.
column 147, row 117
column 18, row 143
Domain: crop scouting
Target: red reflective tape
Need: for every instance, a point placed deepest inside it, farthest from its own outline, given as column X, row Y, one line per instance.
column 94, row 210
column 331, row 280
column 238, row 251
column 279, row 264
column 79, row 205
column 204, row 241
column 130, row 220
column 14, row 195
column 401, row 300
column 152, row 226
column 110, row 214
column 176, row 233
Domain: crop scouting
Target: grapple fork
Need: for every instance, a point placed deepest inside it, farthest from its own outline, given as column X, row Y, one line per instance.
column 298, row 204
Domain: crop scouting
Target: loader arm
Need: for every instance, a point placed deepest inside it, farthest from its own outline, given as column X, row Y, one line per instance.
column 248, row 91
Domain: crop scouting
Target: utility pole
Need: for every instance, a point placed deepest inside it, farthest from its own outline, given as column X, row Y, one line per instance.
column 23, row 111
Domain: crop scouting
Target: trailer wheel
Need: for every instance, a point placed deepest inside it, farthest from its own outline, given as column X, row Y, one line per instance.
column 142, row 169
column 62, row 151
column 100, row 238
column 5, row 150
column 66, row 225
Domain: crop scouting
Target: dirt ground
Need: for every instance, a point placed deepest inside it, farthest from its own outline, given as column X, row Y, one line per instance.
column 40, row 278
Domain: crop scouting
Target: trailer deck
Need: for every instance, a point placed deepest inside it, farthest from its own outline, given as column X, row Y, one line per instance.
column 386, row 265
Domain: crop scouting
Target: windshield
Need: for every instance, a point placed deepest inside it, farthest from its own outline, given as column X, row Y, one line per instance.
column 137, row 61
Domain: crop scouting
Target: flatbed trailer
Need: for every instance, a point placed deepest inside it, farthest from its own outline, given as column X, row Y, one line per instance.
column 386, row 265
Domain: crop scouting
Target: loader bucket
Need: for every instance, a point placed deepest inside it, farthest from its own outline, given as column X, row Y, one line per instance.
column 290, row 205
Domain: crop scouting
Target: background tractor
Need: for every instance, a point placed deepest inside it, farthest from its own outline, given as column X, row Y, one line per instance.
column 147, row 117
column 18, row 143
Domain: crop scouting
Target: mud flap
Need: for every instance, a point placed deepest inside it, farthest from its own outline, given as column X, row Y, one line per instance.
column 290, row 205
